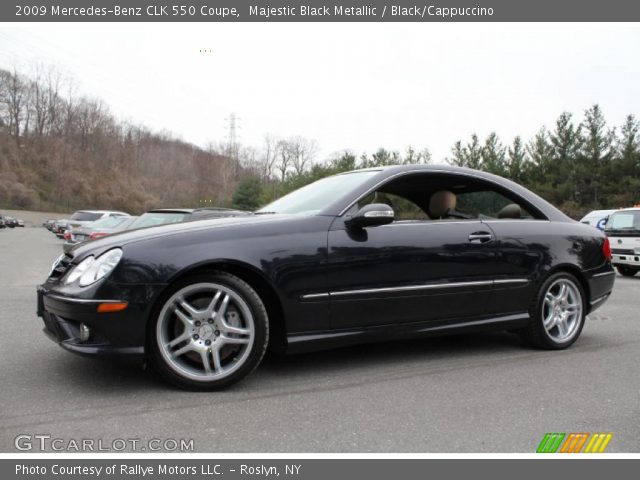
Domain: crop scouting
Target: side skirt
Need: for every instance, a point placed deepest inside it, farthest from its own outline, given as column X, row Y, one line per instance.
column 324, row 340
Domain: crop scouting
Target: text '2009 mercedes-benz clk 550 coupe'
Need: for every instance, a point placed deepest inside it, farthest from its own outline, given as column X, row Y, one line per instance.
column 363, row 256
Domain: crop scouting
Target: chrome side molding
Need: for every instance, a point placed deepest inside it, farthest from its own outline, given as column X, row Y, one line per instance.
column 410, row 288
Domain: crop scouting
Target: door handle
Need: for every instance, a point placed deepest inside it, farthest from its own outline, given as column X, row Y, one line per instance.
column 480, row 237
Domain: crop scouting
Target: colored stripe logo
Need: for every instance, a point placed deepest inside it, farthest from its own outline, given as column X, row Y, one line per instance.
column 574, row 443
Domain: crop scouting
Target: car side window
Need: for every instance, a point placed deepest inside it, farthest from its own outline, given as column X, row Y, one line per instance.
column 490, row 204
column 440, row 196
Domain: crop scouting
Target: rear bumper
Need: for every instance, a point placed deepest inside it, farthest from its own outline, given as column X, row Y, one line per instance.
column 600, row 287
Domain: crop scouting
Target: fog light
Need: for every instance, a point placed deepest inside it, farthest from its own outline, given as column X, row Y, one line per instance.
column 85, row 332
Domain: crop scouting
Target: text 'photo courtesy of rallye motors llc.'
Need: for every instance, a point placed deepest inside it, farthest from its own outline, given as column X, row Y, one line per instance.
column 319, row 239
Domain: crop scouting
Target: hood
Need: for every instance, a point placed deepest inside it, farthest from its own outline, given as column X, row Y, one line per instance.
column 96, row 247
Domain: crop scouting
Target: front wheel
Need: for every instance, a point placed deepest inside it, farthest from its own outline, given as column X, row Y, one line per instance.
column 211, row 331
column 557, row 314
column 626, row 271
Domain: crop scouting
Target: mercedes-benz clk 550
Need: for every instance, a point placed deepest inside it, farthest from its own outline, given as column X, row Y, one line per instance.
column 364, row 256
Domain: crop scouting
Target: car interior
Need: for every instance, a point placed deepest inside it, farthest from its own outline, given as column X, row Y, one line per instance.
column 446, row 197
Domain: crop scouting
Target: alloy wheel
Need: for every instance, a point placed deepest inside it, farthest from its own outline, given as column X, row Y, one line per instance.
column 562, row 310
column 205, row 331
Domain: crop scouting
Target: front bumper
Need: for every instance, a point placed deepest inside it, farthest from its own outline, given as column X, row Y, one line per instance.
column 119, row 333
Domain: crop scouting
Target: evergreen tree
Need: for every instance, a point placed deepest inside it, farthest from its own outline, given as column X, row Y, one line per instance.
column 473, row 153
column 517, row 163
column 458, row 159
column 596, row 151
column 561, row 174
column 493, row 155
column 626, row 166
column 540, row 152
column 247, row 194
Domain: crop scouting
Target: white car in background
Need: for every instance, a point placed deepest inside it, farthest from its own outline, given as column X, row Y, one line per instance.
column 597, row 218
column 82, row 218
column 623, row 230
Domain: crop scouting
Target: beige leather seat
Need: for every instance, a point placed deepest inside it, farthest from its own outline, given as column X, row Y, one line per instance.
column 441, row 202
column 512, row 210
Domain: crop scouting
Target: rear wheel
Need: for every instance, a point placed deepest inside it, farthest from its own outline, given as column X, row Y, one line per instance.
column 626, row 271
column 211, row 331
column 557, row 314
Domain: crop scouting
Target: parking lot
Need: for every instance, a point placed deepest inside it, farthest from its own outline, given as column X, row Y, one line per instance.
column 474, row 393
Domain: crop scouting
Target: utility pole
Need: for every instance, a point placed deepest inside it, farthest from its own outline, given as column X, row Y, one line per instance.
column 232, row 141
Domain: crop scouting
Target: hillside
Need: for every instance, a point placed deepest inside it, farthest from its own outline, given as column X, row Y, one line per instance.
column 62, row 153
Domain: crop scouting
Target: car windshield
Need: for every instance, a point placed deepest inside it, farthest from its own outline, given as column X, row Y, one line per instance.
column 85, row 216
column 108, row 222
column 629, row 220
column 315, row 197
column 151, row 219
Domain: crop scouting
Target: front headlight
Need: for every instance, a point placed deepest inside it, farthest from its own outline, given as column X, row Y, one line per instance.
column 77, row 271
column 92, row 269
column 101, row 267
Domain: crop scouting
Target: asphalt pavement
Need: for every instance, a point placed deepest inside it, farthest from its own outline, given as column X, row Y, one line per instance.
column 471, row 393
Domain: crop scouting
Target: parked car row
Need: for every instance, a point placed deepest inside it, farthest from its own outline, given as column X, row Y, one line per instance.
column 86, row 225
column 10, row 222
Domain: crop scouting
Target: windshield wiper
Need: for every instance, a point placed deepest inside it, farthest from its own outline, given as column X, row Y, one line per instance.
column 264, row 213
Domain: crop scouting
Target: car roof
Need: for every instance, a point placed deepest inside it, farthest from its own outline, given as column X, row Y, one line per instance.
column 599, row 212
column 171, row 210
column 217, row 209
column 101, row 211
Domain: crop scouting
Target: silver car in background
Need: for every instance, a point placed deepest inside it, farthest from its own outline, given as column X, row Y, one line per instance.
column 82, row 218
column 100, row 228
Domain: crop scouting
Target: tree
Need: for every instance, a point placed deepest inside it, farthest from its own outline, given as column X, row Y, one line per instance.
column 493, row 155
column 13, row 95
column 247, row 194
column 303, row 151
column 540, row 153
column 517, row 162
column 412, row 156
column 626, row 165
column 596, row 152
column 561, row 172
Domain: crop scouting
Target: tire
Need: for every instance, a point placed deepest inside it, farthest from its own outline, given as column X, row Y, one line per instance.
column 208, row 332
column 557, row 315
column 626, row 271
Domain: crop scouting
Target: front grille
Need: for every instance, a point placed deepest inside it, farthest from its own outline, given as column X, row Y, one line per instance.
column 61, row 268
column 623, row 251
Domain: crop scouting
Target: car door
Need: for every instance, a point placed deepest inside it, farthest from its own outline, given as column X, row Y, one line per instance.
column 409, row 271
column 520, row 242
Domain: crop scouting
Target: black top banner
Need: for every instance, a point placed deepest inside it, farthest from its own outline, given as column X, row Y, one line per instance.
column 319, row 11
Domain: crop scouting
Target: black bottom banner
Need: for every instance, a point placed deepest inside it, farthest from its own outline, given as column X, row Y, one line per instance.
column 314, row 469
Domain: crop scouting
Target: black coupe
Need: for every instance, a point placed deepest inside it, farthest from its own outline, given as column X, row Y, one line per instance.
column 363, row 256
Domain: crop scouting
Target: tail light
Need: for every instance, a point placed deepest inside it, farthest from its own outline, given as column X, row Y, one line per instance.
column 606, row 248
column 67, row 235
column 95, row 235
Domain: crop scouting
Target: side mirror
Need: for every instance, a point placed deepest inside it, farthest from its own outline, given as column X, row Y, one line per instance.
column 371, row 216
